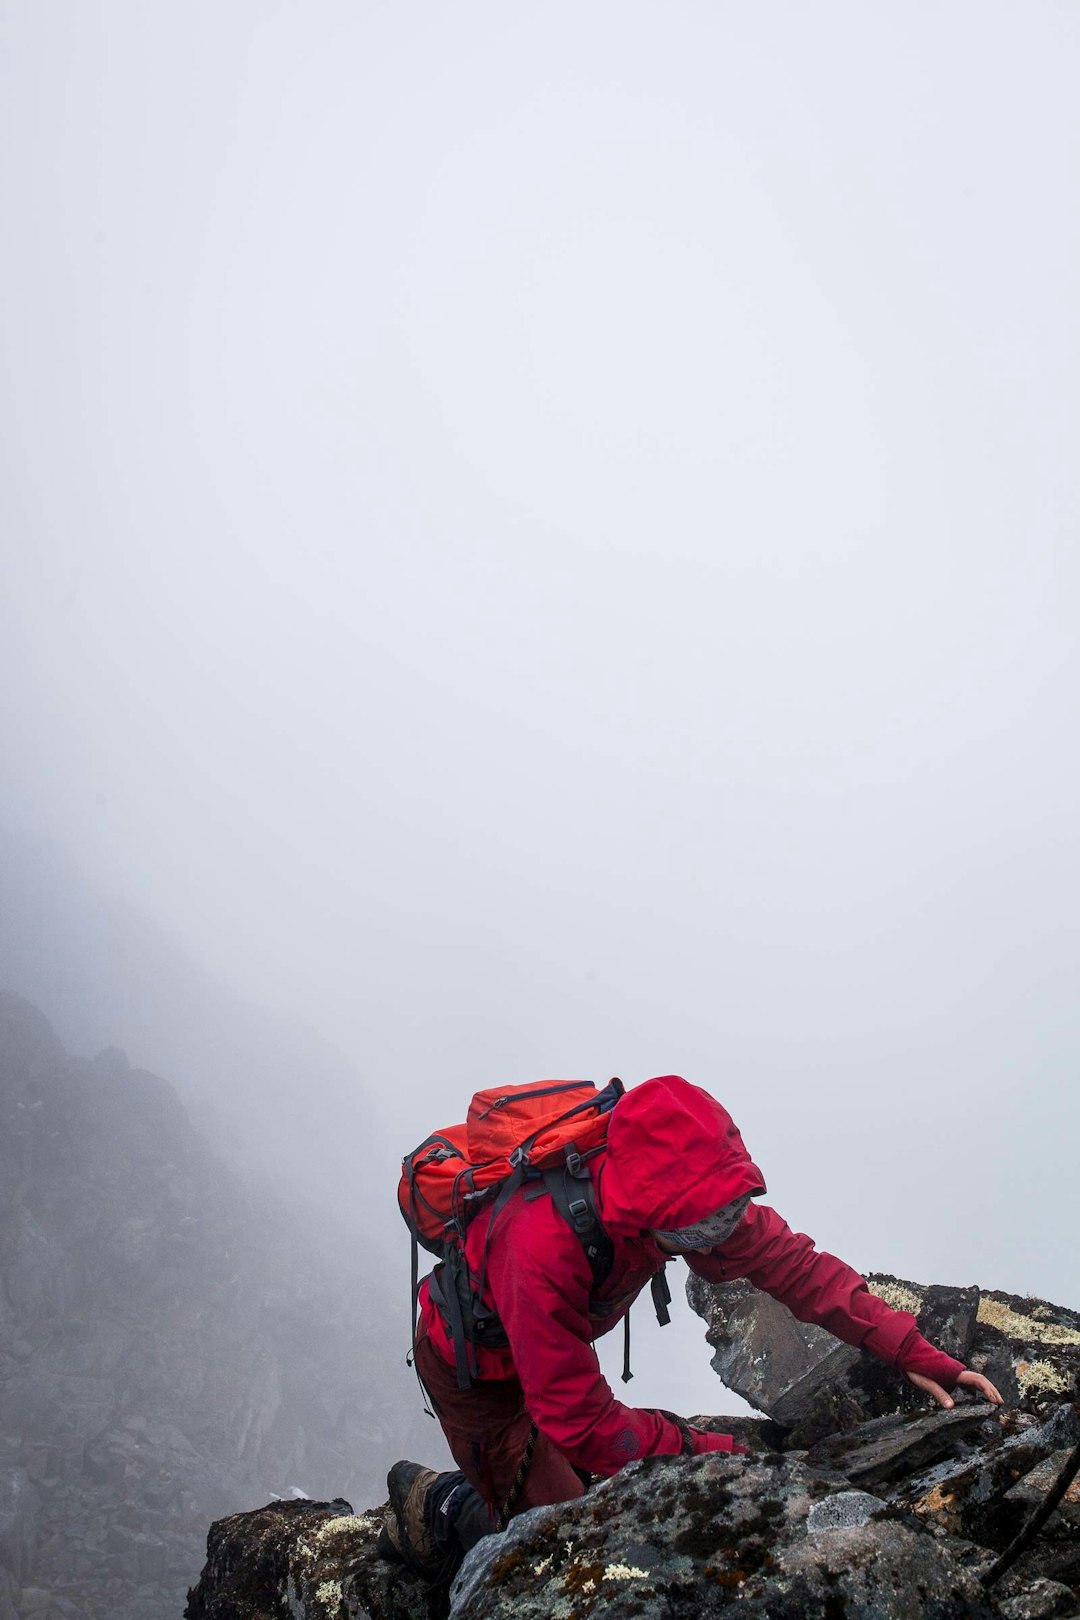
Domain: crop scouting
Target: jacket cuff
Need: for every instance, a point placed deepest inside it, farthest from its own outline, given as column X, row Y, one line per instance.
column 918, row 1355
column 716, row 1442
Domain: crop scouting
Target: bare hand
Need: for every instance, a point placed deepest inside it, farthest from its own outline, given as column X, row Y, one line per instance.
column 969, row 1380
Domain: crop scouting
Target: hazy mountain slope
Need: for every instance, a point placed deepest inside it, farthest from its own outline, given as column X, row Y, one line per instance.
column 278, row 1100
column 170, row 1348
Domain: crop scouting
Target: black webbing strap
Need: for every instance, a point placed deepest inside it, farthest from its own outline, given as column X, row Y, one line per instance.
column 414, row 1280
column 661, row 1298
column 415, row 1295
column 573, row 1193
column 443, row 1288
column 506, row 1192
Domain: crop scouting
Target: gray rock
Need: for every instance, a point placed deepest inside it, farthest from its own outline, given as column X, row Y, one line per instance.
column 1042, row 1600
column 881, row 1571
column 1062, row 1427
column 475, row 1572
column 794, row 1372
column 803, row 1377
column 888, row 1449
column 1031, row 1490
column 845, row 1510
column 971, row 1495
column 673, row 1537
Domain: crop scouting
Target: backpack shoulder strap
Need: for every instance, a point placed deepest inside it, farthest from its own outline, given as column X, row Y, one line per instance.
column 574, row 1196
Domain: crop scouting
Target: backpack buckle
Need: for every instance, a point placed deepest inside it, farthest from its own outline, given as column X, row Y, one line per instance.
column 519, row 1158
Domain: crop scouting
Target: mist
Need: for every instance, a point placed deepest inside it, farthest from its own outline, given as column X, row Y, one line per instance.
column 544, row 543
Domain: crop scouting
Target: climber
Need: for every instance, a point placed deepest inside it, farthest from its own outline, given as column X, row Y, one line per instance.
column 539, row 1419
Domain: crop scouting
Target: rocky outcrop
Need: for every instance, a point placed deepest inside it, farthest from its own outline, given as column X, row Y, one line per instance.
column 813, row 1385
column 898, row 1519
column 894, row 1516
column 169, row 1349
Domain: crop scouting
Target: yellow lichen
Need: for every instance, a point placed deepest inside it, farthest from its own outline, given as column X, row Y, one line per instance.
column 1040, row 1378
column 992, row 1313
column 352, row 1522
column 898, row 1295
column 329, row 1592
column 624, row 1572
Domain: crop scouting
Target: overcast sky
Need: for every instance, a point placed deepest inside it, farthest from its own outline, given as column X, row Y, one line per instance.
column 543, row 541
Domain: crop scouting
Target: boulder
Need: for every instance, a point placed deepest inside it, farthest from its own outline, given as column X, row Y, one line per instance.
column 292, row 1560
column 671, row 1537
column 813, row 1385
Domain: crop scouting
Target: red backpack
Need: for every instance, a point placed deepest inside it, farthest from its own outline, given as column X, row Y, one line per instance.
column 545, row 1133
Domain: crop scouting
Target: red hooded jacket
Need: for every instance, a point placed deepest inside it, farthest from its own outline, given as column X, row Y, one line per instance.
column 674, row 1157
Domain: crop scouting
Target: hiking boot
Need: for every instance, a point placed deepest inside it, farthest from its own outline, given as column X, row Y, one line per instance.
column 409, row 1531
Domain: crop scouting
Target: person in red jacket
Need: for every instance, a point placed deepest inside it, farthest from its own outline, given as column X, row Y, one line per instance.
column 539, row 1418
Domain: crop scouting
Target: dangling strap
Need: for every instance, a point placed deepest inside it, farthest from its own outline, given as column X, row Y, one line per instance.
column 626, row 1373
column 414, row 1282
column 519, row 1480
column 411, row 1358
column 661, row 1298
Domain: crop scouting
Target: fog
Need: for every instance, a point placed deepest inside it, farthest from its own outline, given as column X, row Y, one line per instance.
column 542, row 541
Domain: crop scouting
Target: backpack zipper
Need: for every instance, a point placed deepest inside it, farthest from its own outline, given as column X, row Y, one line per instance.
column 523, row 1096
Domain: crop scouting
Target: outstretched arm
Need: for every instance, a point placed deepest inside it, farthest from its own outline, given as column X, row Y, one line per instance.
column 817, row 1287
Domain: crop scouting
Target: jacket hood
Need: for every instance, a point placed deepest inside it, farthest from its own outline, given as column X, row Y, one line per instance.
column 674, row 1156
